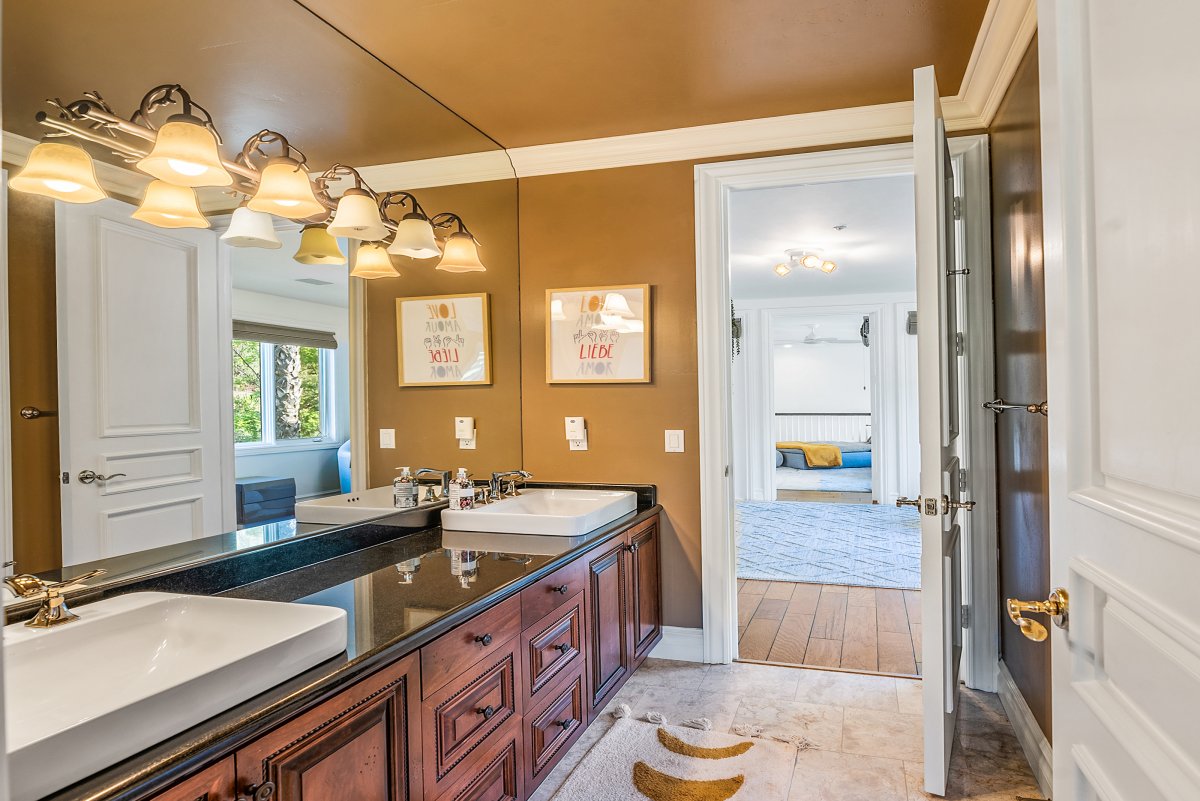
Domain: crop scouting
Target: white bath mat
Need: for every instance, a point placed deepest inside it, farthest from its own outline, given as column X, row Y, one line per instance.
column 635, row 761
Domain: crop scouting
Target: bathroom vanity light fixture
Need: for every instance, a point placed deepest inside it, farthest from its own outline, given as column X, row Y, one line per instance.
column 461, row 253
column 318, row 247
column 60, row 171
column 372, row 261
column 183, row 154
column 414, row 232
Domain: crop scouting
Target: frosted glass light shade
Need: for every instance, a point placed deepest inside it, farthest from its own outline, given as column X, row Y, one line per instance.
column 811, row 260
column 251, row 229
column 616, row 305
column 285, row 191
column 828, row 267
column 357, row 217
column 61, row 171
column 318, row 247
column 414, row 237
column 372, row 261
column 461, row 255
column 782, row 269
column 185, row 153
column 170, row 206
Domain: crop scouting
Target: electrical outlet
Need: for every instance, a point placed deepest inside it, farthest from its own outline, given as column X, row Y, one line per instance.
column 673, row 440
column 579, row 444
column 387, row 438
column 467, row 443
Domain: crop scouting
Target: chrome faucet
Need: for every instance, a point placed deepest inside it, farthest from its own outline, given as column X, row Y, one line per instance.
column 54, row 611
column 443, row 476
column 496, row 485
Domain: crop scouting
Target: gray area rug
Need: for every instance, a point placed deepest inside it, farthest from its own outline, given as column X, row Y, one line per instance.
column 829, row 543
column 842, row 479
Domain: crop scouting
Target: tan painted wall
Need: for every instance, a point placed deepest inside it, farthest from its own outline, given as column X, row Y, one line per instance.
column 1022, row 449
column 424, row 416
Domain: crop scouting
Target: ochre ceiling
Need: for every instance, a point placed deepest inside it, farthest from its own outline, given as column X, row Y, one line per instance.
column 531, row 72
column 252, row 63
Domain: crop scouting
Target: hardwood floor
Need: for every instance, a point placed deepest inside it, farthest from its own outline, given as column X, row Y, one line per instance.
column 830, row 625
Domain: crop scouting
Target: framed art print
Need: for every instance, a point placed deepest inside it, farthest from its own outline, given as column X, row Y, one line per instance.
column 598, row 335
column 444, row 340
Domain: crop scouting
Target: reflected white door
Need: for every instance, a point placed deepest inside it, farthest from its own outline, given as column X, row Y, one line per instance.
column 1120, row 113
column 140, row 390
column 938, row 370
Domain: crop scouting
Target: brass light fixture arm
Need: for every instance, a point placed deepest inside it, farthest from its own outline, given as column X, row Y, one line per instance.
column 168, row 94
column 448, row 219
column 400, row 198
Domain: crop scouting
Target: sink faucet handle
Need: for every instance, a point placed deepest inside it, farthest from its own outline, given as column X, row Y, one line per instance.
column 77, row 581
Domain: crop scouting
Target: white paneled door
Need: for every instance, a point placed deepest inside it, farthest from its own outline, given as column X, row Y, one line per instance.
column 938, row 380
column 140, row 389
column 1120, row 112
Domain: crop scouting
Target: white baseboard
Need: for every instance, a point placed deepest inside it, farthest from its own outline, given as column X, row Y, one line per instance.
column 686, row 645
column 1033, row 742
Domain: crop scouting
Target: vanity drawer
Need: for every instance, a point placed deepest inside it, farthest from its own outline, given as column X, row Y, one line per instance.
column 553, row 647
column 453, row 652
column 539, row 600
column 494, row 774
column 551, row 729
column 463, row 715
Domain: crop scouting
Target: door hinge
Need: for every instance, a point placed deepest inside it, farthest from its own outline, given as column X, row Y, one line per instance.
column 956, row 207
column 966, row 616
column 960, row 344
column 962, row 479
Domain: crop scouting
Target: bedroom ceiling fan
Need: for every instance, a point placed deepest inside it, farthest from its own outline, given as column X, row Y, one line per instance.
column 812, row 339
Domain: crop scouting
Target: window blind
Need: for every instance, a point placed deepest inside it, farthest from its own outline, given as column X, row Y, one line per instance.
column 283, row 335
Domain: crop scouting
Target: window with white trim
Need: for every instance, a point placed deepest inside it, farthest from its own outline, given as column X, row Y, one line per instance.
column 282, row 390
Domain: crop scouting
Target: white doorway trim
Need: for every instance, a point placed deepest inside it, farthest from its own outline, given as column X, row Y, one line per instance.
column 714, row 184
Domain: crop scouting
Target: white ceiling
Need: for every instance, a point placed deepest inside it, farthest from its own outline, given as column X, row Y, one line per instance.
column 874, row 253
column 274, row 272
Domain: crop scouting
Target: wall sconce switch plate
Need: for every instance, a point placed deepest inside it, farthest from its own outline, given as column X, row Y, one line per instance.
column 387, row 438
column 674, row 440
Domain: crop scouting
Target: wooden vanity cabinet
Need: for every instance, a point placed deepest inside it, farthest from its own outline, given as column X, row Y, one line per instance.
column 214, row 783
column 482, row 713
column 363, row 743
column 624, row 599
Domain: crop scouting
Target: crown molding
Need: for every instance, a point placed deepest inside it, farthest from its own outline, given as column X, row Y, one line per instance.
column 1008, row 28
column 468, row 168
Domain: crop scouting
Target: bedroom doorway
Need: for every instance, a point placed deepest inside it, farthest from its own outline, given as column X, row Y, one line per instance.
column 823, row 281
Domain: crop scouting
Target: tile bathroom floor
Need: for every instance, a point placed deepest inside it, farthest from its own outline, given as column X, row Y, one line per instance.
column 864, row 730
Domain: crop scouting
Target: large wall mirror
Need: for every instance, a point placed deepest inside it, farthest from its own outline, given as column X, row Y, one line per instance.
column 170, row 393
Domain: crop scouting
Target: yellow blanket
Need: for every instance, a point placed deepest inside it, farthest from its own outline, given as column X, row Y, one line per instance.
column 816, row 454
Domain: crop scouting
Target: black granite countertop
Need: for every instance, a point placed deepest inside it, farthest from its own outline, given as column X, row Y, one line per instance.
column 398, row 594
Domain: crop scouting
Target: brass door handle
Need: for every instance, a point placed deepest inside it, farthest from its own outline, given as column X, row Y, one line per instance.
column 948, row 504
column 914, row 502
column 91, row 476
column 1000, row 406
column 1056, row 606
column 33, row 413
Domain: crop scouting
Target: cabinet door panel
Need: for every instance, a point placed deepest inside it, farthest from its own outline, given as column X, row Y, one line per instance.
column 609, row 662
column 356, row 745
column 645, row 596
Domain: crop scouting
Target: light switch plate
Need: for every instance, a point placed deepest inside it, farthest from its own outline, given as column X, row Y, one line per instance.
column 673, row 440
column 579, row 444
column 387, row 438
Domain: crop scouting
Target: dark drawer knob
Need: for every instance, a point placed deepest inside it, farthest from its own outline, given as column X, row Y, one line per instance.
column 258, row 792
column 487, row 712
column 632, row 547
column 566, row 724
column 563, row 647
column 561, row 590
column 484, row 639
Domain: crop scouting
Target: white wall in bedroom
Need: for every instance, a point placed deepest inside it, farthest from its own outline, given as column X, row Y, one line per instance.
column 822, row 378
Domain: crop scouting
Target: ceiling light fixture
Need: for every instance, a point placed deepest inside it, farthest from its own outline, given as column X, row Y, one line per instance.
column 318, row 247
column 183, row 154
column 808, row 258
column 782, row 269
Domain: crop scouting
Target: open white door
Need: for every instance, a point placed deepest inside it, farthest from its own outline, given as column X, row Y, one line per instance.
column 1122, row 243
column 140, row 388
column 938, row 370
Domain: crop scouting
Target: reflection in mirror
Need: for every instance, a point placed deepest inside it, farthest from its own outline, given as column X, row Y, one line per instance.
column 185, row 341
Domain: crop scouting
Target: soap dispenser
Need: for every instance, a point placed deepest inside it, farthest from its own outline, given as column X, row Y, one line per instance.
column 462, row 491
column 404, row 490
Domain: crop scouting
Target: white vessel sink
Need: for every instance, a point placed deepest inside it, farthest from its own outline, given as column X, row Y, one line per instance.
column 136, row 669
column 554, row 512
column 352, row 507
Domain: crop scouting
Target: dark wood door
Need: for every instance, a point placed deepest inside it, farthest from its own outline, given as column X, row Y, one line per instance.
column 358, row 745
column 608, row 635
column 645, row 598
